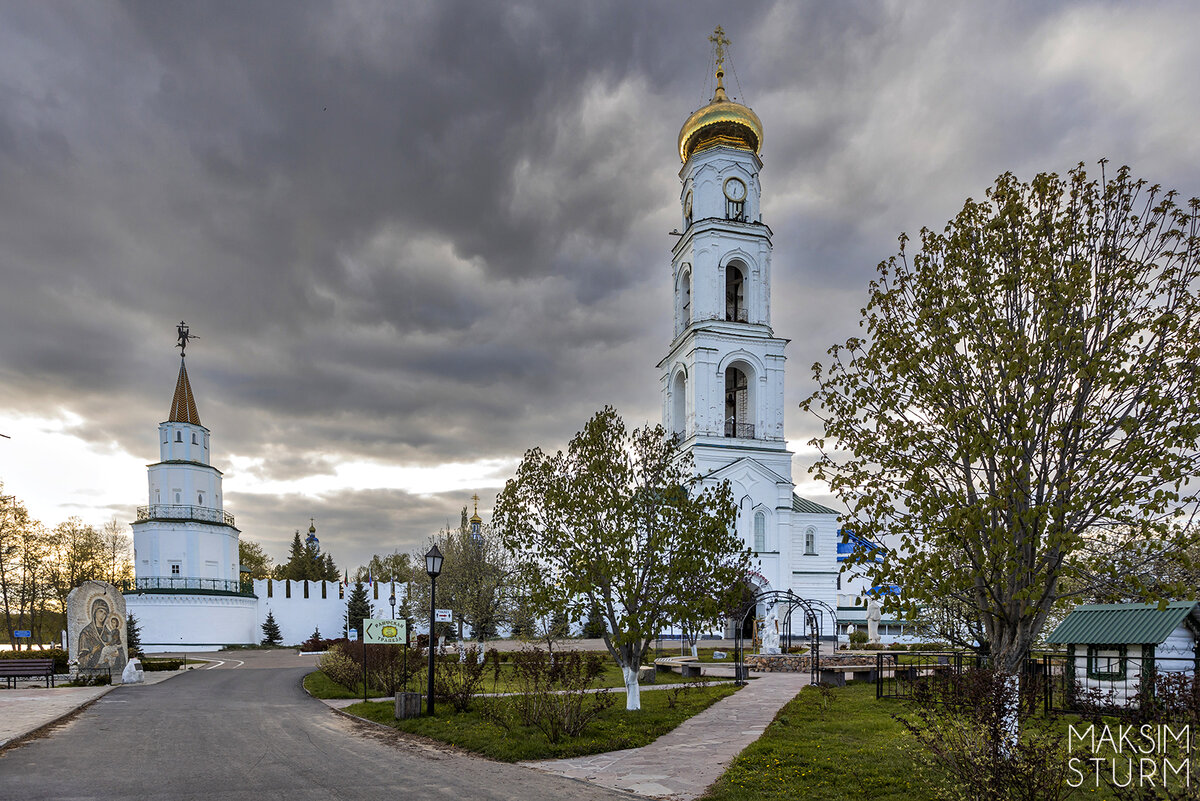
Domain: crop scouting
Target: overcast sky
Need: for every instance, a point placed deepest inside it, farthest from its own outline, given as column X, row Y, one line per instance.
column 415, row 240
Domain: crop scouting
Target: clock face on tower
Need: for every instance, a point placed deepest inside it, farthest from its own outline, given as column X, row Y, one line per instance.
column 735, row 189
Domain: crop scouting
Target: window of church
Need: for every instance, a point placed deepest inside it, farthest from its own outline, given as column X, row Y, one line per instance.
column 174, row 568
column 685, row 315
column 735, row 295
column 177, row 498
column 179, row 436
column 760, row 532
column 679, row 404
column 810, row 543
column 739, row 421
column 194, row 441
column 199, row 498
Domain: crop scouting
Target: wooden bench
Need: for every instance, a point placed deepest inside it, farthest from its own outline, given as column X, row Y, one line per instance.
column 838, row 675
column 689, row 666
column 13, row 669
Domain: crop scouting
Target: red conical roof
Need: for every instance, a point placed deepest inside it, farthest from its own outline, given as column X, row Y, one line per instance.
column 183, row 405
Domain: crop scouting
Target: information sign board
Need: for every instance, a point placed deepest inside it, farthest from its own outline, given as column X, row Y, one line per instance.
column 26, row 633
column 390, row 632
column 443, row 616
column 353, row 635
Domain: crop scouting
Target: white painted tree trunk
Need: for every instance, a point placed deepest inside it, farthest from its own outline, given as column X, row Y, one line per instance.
column 479, row 654
column 633, row 697
column 1010, row 725
column 695, row 655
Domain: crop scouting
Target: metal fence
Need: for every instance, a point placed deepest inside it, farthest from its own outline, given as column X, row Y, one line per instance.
column 1092, row 680
column 184, row 583
column 165, row 511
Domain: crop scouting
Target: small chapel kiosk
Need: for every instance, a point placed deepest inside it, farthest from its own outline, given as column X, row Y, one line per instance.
column 723, row 373
column 187, row 594
column 1111, row 648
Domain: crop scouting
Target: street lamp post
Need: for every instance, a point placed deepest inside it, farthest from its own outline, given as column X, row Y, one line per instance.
column 392, row 601
column 433, row 566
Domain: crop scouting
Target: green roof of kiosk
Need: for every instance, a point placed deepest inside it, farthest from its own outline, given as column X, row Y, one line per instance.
column 1135, row 624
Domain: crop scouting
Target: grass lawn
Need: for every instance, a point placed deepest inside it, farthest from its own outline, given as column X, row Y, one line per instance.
column 611, row 730
column 611, row 677
column 849, row 749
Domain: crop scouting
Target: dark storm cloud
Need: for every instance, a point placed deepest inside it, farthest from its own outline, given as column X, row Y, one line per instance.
column 421, row 233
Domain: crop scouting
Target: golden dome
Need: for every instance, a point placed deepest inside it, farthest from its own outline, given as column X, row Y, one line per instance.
column 721, row 122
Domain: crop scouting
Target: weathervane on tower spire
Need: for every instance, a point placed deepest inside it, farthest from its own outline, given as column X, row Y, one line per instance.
column 183, row 332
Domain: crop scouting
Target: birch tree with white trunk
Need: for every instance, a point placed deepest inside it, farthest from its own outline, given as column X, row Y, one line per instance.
column 619, row 522
column 1026, row 388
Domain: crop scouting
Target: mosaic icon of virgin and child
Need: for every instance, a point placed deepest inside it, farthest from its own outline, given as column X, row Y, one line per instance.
column 100, row 643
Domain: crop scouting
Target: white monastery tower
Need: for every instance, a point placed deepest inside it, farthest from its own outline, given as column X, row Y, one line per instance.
column 187, row 590
column 723, row 376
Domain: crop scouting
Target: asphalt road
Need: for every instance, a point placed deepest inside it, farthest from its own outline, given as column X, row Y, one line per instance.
column 249, row 731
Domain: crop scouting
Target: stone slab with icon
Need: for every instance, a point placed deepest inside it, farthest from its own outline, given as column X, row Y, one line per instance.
column 97, row 640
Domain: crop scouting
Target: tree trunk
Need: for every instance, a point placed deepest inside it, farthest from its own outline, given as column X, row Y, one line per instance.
column 633, row 697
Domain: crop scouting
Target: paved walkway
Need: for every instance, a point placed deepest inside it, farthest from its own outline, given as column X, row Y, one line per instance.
column 682, row 763
column 25, row 710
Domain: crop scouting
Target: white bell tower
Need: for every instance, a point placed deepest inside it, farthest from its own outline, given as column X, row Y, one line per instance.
column 723, row 376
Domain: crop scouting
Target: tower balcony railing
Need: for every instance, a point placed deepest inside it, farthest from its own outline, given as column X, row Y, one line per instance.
column 183, row 584
column 740, row 430
column 204, row 514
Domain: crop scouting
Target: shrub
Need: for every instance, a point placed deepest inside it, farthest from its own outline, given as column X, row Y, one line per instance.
column 553, row 693
column 961, row 726
column 340, row 668
column 151, row 665
column 459, row 682
column 57, row 654
column 858, row 637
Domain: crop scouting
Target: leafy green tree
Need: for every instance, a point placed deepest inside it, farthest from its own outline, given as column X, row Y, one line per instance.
column 1026, row 392
column 615, row 523
column 329, row 569
column 358, row 606
column 270, row 630
column 252, row 556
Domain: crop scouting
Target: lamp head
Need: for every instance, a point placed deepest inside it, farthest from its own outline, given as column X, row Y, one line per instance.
column 433, row 562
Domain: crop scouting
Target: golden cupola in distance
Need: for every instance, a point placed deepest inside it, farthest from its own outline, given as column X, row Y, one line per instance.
column 722, row 121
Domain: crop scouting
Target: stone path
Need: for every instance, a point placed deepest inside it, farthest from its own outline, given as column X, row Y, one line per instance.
column 682, row 763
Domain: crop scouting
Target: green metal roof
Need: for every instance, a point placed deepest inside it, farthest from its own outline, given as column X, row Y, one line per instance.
column 809, row 508
column 1133, row 624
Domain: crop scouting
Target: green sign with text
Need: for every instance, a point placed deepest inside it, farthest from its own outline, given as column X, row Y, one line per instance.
column 391, row 632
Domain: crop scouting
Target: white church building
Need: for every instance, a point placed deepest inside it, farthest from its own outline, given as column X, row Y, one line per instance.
column 723, row 374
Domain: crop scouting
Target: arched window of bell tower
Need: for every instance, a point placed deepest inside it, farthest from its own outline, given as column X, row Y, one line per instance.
column 739, row 402
column 735, row 294
column 679, row 404
column 685, row 300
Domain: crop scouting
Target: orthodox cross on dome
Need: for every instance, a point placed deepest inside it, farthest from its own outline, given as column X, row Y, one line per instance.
column 720, row 42
column 475, row 498
column 184, row 335
column 718, row 39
